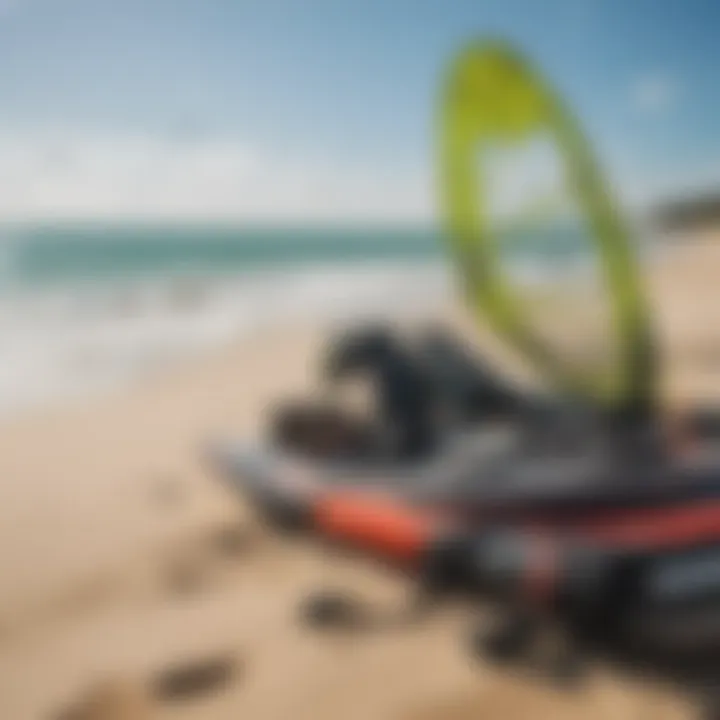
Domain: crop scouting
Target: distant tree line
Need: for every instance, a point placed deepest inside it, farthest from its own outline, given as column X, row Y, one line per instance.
column 686, row 213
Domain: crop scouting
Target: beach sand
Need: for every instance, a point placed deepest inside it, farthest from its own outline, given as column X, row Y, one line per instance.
column 133, row 586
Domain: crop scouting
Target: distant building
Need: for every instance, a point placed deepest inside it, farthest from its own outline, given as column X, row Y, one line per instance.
column 689, row 213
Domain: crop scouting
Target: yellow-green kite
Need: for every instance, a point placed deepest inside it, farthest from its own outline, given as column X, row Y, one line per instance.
column 493, row 98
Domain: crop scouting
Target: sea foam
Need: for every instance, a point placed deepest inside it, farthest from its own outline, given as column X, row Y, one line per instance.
column 67, row 341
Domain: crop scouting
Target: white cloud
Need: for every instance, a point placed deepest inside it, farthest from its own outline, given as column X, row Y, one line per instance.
column 654, row 93
column 79, row 175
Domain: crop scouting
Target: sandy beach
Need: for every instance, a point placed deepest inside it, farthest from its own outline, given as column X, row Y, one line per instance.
column 123, row 564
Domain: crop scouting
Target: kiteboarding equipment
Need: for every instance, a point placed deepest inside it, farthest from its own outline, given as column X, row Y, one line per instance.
column 494, row 103
column 583, row 512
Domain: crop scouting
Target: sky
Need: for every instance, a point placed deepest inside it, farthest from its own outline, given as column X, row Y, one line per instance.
column 284, row 110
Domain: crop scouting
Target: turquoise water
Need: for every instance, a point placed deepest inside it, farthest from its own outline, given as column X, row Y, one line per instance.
column 73, row 252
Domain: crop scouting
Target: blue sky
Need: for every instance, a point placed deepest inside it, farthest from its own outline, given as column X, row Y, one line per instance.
column 319, row 108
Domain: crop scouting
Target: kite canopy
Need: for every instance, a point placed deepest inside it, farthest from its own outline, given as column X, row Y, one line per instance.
column 542, row 251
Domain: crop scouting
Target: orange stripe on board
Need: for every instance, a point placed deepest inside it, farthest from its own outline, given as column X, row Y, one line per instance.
column 376, row 523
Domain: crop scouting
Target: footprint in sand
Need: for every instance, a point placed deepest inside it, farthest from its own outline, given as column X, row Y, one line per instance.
column 195, row 678
column 186, row 577
column 202, row 561
column 180, row 682
column 109, row 701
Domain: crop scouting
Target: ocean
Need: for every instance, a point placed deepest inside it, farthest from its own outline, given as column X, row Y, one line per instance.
column 88, row 307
